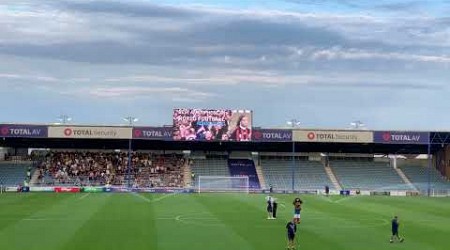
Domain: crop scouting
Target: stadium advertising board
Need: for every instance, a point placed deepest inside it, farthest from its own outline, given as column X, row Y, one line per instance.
column 89, row 132
column 67, row 189
column 162, row 190
column 272, row 135
column 398, row 193
column 396, row 137
column 342, row 136
column 148, row 190
column 22, row 131
column 375, row 193
column 212, row 125
column 365, row 192
column 42, row 189
column 91, row 189
column 11, row 189
column 118, row 190
column 152, row 133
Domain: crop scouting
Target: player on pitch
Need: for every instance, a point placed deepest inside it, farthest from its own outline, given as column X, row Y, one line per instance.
column 270, row 200
column 395, row 226
column 291, row 230
column 297, row 208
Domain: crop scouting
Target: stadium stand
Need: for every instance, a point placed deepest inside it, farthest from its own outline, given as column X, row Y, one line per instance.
column 13, row 173
column 309, row 174
column 367, row 175
column 101, row 168
column 170, row 170
column 211, row 166
column 418, row 175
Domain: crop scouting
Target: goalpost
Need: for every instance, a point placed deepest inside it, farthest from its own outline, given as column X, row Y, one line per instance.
column 223, row 184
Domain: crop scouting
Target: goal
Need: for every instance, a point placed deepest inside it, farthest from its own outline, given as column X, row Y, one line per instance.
column 223, row 184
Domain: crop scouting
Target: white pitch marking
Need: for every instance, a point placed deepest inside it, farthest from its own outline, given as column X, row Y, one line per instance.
column 164, row 218
column 343, row 199
column 84, row 196
column 36, row 219
column 142, row 197
column 163, row 197
column 153, row 200
column 325, row 198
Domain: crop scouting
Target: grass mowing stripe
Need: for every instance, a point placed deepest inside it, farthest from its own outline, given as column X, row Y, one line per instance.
column 339, row 222
column 123, row 223
column 193, row 227
column 217, row 221
column 30, row 235
column 21, row 206
column 246, row 220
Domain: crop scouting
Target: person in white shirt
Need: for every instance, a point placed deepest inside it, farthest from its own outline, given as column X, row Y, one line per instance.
column 269, row 200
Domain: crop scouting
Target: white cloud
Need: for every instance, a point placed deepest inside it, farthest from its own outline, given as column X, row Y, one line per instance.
column 337, row 53
column 146, row 92
column 142, row 53
column 39, row 78
column 46, row 25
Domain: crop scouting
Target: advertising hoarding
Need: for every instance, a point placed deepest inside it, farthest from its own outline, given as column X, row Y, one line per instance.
column 397, row 137
column 67, row 189
column 28, row 131
column 342, row 136
column 272, row 135
column 152, row 133
column 92, row 189
column 42, row 189
column 89, row 132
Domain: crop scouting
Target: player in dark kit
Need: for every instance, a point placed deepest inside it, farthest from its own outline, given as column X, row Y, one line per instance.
column 297, row 208
column 395, row 226
column 291, row 230
column 274, row 208
column 270, row 200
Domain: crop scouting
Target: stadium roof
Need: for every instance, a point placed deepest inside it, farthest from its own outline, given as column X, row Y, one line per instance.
column 122, row 144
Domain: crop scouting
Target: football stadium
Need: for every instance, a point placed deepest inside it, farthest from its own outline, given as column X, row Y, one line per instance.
column 224, row 125
column 110, row 187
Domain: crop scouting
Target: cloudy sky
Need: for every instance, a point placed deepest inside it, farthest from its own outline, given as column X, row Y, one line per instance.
column 323, row 62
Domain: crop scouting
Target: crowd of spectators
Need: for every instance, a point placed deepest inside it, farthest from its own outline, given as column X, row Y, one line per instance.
column 111, row 168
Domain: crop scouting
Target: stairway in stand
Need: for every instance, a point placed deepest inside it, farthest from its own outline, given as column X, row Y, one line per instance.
column 333, row 178
column 187, row 172
column 260, row 174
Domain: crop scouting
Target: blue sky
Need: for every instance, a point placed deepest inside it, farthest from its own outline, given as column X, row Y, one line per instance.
column 323, row 62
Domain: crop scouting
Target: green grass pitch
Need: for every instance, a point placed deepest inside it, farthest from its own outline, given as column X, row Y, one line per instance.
column 216, row 221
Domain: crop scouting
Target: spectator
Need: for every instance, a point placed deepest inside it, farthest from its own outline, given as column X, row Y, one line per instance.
column 100, row 168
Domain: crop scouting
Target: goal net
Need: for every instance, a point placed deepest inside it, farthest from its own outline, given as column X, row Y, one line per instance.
column 223, row 184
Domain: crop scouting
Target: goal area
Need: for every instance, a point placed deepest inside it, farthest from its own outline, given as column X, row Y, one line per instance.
column 210, row 184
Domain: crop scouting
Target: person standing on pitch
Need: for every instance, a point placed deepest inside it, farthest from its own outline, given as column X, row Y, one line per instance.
column 274, row 208
column 395, row 226
column 269, row 200
column 297, row 208
column 291, row 230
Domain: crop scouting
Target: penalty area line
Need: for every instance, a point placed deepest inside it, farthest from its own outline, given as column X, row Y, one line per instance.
column 84, row 196
column 153, row 200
